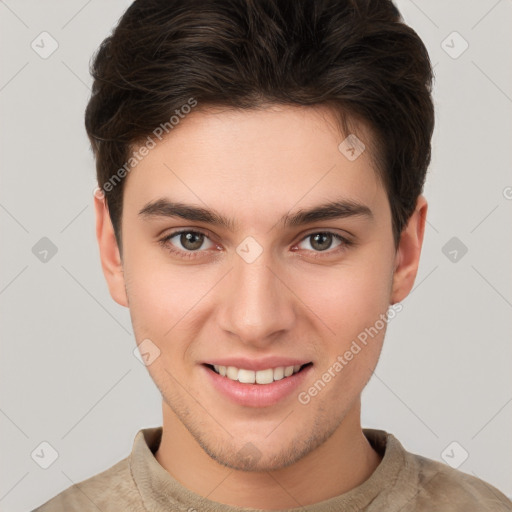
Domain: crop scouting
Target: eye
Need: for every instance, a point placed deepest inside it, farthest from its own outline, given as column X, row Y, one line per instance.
column 186, row 242
column 322, row 241
column 191, row 243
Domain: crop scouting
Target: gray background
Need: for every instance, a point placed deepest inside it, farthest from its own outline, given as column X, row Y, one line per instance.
column 68, row 373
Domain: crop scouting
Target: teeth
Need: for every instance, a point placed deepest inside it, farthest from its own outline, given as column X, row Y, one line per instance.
column 220, row 369
column 260, row 377
column 247, row 376
column 264, row 376
column 279, row 373
column 232, row 373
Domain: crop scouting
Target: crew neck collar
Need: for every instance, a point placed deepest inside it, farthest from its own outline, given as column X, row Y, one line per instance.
column 161, row 492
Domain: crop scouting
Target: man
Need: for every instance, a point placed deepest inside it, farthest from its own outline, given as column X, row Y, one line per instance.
column 260, row 167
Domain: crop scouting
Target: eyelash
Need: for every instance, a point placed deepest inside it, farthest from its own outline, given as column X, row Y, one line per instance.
column 164, row 242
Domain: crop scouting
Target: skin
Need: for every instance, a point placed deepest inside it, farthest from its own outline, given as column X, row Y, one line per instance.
column 255, row 166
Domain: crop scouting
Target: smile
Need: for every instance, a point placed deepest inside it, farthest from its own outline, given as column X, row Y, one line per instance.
column 264, row 385
column 266, row 376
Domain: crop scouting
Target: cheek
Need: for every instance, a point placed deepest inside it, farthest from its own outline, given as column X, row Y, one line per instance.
column 350, row 298
column 350, row 301
column 351, row 308
column 160, row 293
column 164, row 305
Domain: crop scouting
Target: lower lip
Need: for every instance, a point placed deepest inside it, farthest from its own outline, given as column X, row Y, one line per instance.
column 256, row 395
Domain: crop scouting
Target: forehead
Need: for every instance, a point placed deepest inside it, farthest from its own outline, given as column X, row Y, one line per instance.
column 257, row 163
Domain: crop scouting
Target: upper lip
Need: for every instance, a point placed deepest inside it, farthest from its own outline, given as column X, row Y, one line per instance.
column 257, row 364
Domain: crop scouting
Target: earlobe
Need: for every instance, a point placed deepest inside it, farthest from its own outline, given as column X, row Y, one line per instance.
column 408, row 252
column 110, row 257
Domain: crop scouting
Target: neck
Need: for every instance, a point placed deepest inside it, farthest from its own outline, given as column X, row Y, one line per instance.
column 344, row 461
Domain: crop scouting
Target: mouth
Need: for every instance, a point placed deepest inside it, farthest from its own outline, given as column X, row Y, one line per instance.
column 263, row 386
column 261, row 377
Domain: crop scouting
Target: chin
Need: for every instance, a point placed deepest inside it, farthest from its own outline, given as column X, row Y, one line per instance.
column 263, row 455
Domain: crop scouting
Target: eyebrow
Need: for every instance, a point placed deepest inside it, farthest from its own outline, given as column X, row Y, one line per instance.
column 332, row 210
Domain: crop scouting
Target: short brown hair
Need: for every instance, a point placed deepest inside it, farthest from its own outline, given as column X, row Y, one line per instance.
column 355, row 56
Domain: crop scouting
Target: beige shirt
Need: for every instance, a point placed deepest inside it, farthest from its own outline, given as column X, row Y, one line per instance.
column 403, row 482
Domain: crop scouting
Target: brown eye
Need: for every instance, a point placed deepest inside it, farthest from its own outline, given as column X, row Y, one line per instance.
column 191, row 240
column 187, row 242
column 322, row 241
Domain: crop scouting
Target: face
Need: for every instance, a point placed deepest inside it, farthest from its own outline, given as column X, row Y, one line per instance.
column 250, row 283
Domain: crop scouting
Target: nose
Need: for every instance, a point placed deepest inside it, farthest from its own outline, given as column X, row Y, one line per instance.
column 257, row 304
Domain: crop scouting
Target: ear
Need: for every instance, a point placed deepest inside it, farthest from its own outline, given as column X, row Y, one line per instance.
column 408, row 252
column 111, row 262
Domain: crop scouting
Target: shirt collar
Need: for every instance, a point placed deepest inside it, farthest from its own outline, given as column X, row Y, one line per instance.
column 160, row 492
